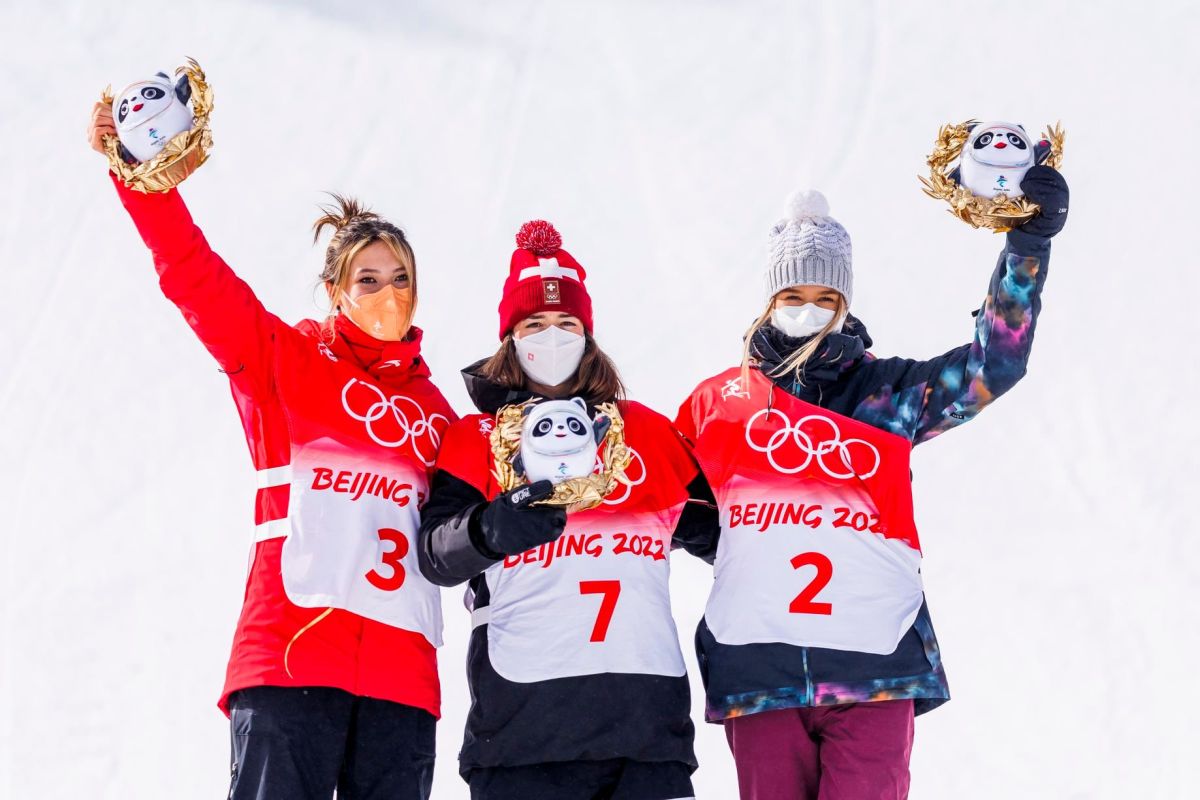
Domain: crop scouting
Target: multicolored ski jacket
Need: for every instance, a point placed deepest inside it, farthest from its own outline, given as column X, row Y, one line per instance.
column 817, row 598
column 343, row 431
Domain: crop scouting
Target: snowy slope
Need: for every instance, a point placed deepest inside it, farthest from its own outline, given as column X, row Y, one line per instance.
column 660, row 137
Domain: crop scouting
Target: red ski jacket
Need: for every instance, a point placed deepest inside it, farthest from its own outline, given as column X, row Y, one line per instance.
column 360, row 422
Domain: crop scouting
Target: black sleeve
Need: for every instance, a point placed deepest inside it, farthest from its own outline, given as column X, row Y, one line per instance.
column 699, row 527
column 451, row 548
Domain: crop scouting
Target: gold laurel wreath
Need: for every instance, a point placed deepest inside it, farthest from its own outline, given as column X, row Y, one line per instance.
column 999, row 213
column 181, row 155
column 577, row 494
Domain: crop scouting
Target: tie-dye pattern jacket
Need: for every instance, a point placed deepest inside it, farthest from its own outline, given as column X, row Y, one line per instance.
column 917, row 400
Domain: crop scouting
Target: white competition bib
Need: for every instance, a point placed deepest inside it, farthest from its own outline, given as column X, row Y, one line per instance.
column 818, row 545
column 594, row 601
column 352, row 544
column 810, row 573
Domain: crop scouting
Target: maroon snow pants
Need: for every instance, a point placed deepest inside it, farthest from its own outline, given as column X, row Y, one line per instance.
column 857, row 751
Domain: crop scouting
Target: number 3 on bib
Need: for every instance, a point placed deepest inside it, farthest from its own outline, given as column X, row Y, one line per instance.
column 803, row 602
column 390, row 582
column 611, row 591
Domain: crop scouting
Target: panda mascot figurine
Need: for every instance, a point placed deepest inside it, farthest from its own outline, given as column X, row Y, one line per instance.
column 559, row 441
column 995, row 159
column 149, row 113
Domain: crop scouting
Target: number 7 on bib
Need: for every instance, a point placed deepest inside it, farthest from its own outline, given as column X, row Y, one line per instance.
column 611, row 591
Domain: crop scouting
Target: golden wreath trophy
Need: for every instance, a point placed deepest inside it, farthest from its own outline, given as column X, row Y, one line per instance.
column 585, row 457
column 160, row 140
column 978, row 167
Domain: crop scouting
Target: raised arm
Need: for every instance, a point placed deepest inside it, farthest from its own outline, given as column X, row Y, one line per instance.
column 222, row 310
column 925, row 398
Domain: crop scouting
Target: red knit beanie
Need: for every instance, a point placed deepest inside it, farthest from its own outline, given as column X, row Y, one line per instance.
column 543, row 277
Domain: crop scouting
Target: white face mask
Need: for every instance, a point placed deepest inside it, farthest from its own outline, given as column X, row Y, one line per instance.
column 805, row 320
column 550, row 357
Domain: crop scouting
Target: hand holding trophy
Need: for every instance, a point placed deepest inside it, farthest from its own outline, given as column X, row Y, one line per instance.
column 153, row 140
column 978, row 169
column 556, row 440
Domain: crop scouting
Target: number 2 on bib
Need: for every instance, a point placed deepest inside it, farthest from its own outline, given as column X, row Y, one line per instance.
column 803, row 602
column 390, row 582
column 611, row 591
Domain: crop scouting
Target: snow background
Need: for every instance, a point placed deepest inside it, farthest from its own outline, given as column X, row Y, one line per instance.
column 660, row 137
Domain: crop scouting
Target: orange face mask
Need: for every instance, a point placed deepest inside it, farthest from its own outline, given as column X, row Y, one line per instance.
column 385, row 314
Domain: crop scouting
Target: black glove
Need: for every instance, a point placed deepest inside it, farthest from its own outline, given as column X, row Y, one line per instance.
column 1048, row 188
column 510, row 524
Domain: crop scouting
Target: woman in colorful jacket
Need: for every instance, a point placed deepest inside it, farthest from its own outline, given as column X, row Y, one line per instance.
column 816, row 646
column 578, row 685
column 333, row 680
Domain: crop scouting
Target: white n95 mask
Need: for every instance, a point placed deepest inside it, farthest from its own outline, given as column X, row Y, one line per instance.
column 550, row 357
column 805, row 320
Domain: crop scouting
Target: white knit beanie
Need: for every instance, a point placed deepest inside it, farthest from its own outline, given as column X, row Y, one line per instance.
column 809, row 247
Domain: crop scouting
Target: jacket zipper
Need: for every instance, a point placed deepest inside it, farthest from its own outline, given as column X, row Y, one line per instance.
column 808, row 687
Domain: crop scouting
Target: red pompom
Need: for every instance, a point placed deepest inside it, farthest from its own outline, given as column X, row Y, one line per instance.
column 539, row 237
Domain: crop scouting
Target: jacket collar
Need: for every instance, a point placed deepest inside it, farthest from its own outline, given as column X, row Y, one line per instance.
column 389, row 362
column 490, row 397
column 838, row 353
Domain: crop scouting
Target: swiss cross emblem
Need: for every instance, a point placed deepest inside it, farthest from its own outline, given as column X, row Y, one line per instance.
column 550, row 288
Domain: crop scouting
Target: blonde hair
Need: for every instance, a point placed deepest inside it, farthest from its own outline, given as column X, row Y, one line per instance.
column 796, row 361
column 354, row 227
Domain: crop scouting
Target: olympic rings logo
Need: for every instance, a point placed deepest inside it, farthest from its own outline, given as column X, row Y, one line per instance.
column 414, row 428
column 617, row 497
column 813, row 450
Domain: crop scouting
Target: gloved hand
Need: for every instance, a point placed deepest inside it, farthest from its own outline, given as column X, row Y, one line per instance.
column 1048, row 188
column 510, row 524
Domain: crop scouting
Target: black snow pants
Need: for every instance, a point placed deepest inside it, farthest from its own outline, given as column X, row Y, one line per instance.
column 293, row 743
column 610, row 779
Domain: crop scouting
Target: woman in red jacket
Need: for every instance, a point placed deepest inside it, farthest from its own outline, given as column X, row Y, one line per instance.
column 332, row 682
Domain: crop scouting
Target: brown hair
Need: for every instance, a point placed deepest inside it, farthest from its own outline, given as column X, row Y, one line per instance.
column 596, row 381
column 354, row 227
column 796, row 361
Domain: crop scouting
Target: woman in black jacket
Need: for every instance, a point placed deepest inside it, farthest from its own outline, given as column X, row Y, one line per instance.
column 577, row 682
